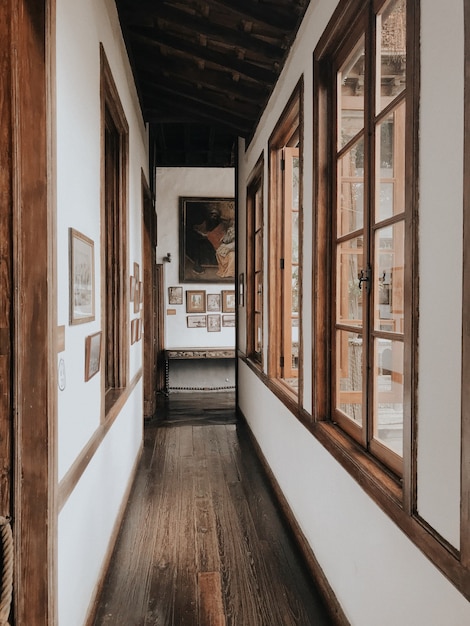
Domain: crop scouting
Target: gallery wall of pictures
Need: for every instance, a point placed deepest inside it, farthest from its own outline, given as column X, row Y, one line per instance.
column 212, row 311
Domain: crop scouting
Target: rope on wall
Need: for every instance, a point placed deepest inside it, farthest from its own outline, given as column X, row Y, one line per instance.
column 6, row 591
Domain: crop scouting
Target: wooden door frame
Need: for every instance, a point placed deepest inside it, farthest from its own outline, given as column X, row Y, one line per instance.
column 27, row 63
column 149, row 242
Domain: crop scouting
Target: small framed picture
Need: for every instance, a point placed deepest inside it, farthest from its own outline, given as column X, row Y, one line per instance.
column 213, row 301
column 196, row 301
column 175, row 295
column 213, row 323
column 137, row 290
column 133, row 330
column 92, row 355
column 228, row 301
column 241, row 290
column 228, row 320
column 81, row 278
column 136, row 272
column 131, row 288
column 196, row 321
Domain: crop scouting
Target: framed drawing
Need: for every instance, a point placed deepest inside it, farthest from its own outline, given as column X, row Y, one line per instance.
column 81, row 278
column 133, row 330
column 92, row 355
column 213, row 323
column 132, row 288
column 175, row 295
column 196, row 321
column 207, row 240
column 228, row 320
column 213, row 301
column 228, row 302
column 195, row 301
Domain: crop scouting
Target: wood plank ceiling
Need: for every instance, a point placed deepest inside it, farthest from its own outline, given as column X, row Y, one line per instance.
column 205, row 69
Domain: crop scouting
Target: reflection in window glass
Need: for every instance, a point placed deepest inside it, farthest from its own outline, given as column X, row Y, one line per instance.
column 391, row 64
column 348, row 293
column 388, row 405
column 351, row 188
column 351, row 95
column 349, row 374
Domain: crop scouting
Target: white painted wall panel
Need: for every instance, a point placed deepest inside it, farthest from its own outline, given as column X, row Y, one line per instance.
column 173, row 182
column 88, row 517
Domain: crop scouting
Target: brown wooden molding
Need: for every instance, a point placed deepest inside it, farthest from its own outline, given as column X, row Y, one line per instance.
column 76, row 471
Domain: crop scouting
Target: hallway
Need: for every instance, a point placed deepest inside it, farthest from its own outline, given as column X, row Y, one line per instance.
column 202, row 542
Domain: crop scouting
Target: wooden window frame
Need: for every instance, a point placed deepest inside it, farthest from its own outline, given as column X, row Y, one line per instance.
column 397, row 498
column 115, row 313
column 288, row 129
column 254, row 263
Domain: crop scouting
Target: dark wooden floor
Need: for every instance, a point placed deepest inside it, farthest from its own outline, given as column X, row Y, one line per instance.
column 202, row 543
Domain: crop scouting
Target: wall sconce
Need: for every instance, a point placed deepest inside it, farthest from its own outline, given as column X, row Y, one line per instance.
column 167, row 258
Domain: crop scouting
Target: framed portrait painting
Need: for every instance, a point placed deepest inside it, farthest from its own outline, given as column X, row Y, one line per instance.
column 207, row 240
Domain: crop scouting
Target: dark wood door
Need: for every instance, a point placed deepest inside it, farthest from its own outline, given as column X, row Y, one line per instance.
column 149, row 239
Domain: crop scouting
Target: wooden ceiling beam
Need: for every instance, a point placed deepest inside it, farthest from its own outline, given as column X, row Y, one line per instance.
column 243, row 114
column 178, row 19
column 229, row 63
column 165, row 107
column 280, row 20
column 240, row 90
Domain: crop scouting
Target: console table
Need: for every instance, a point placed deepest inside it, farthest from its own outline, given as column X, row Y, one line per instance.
column 188, row 354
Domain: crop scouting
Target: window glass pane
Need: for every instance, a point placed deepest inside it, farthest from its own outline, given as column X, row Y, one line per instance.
column 388, row 281
column 348, row 294
column 388, row 405
column 390, row 170
column 295, row 343
column 351, row 95
column 351, row 189
column 295, row 237
column 295, row 183
column 391, row 62
column 349, row 374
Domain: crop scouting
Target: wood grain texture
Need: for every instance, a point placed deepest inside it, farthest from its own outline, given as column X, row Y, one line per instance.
column 202, row 543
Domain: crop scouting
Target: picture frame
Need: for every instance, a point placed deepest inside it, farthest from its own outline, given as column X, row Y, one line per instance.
column 175, row 295
column 196, row 321
column 92, row 355
column 228, row 301
column 228, row 321
column 132, row 288
column 195, row 301
column 213, row 302
column 207, row 240
column 241, row 289
column 133, row 330
column 213, row 323
column 81, row 278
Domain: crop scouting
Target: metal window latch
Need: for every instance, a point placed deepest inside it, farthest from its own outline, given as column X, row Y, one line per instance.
column 364, row 277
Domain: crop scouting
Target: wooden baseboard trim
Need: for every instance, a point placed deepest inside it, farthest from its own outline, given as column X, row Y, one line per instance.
column 334, row 608
column 91, row 614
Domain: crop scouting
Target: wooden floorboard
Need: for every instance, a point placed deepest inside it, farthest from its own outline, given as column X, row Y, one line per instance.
column 202, row 542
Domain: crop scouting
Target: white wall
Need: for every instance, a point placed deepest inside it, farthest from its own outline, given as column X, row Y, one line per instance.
column 173, row 182
column 372, row 566
column 86, row 521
